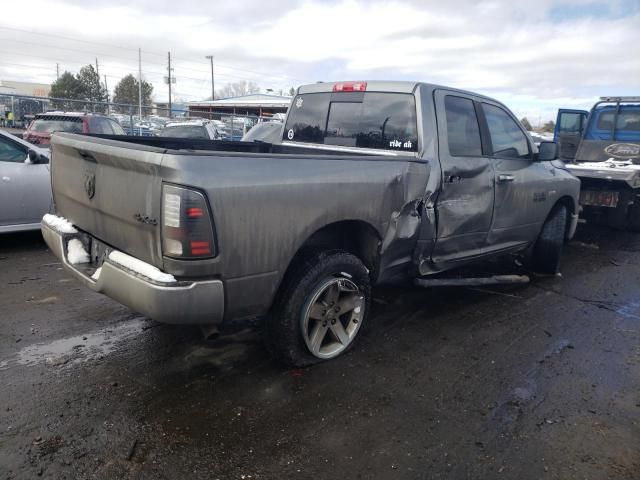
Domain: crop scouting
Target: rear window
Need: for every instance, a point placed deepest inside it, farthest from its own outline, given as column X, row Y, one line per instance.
column 366, row 120
column 628, row 120
column 185, row 131
column 57, row 124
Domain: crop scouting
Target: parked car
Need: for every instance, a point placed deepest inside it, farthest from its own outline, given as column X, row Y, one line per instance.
column 603, row 151
column 540, row 137
column 222, row 128
column 376, row 182
column 202, row 129
column 270, row 132
column 25, row 186
column 40, row 130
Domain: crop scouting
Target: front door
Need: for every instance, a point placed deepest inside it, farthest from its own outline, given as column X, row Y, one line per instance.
column 25, row 190
column 522, row 195
column 465, row 202
column 568, row 131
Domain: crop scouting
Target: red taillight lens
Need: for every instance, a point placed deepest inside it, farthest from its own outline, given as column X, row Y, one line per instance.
column 350, row 87
column 200, row 248
column 187, row 229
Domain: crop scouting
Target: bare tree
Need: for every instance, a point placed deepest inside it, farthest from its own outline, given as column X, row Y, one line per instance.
column 237, row 89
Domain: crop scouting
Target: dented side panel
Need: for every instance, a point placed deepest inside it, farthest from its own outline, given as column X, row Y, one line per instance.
column 265, row 208
column 464, row 208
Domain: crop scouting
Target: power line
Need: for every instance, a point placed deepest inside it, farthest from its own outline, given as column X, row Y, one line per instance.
column 133, row 49
column 75, row 62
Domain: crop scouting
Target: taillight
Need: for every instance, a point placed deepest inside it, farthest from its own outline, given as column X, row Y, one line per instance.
column 350, row 87
column 187, row 230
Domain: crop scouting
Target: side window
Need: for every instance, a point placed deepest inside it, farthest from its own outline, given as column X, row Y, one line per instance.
column 570, row 122
column 11, row 152
column 507, row 138
column 462, row 127
column 100, row 125
column 115, row 126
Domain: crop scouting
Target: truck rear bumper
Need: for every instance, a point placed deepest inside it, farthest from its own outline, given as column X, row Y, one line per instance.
column 176, row 302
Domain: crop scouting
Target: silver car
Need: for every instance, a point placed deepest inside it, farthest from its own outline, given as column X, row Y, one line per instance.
column 25, row 186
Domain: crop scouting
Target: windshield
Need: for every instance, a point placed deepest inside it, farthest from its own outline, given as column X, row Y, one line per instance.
column 266, row 132
column 185, row 131
column 50, row 125
column 366, row 120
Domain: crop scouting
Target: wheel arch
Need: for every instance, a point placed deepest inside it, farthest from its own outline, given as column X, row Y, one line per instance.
column 353, row 236
column 572, row 209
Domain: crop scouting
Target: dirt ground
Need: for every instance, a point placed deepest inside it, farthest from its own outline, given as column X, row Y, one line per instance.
column 531, row 382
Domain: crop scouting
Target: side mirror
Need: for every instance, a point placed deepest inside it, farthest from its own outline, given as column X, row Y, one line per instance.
column 35, row 157
column 548, row 151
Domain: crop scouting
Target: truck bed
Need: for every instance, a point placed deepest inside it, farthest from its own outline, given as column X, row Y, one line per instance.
column 265, row 200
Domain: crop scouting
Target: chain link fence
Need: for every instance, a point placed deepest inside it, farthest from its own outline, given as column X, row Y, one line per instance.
column 18, row 111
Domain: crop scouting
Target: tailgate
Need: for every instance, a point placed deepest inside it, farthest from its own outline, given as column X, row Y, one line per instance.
column 111, row 190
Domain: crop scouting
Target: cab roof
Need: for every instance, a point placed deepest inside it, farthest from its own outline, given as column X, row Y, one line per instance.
column 387, row 86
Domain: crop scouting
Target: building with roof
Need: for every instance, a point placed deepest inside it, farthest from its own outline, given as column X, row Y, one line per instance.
column 30, row 89
column 257, row 104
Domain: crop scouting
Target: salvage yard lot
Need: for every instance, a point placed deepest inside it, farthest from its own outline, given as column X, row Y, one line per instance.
column 541, row 381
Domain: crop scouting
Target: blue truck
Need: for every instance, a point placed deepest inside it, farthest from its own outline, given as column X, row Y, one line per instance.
column 602, row 149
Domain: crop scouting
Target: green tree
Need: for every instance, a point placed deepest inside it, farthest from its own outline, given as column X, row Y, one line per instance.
column 67, row 86
column 126, row 91
column 526, row 123
column 549, row 126
column 92, row 89
column 292, row 92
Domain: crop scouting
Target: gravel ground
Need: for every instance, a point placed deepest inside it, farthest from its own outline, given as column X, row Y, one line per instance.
column 530, row 382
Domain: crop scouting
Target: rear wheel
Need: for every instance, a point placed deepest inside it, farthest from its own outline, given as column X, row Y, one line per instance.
column 547, row 250
column 320, row 310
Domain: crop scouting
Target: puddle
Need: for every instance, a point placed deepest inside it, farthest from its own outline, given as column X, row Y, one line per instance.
column 80, row 348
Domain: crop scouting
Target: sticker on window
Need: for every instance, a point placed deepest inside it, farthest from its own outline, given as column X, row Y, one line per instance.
column 299, row 102
column 399, row 144
column 290, row 134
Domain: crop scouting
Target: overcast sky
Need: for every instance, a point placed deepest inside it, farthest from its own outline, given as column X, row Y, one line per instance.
column 534, row 56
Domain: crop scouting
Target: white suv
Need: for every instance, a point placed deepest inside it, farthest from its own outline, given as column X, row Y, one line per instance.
column 202, row 129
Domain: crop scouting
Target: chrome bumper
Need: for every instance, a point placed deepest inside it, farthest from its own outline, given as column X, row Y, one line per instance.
column 180, row 302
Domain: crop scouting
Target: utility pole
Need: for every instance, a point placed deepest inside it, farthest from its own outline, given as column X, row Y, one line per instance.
column 97, row 68
column 57, row 71
column 139, row 89
column 169, row 70
column 107, row 89
column 213, row 90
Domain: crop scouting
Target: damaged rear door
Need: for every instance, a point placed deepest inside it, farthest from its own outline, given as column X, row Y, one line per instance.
column 465, row 203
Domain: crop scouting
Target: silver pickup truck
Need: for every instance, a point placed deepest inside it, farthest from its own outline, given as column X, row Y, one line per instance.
column 373, row 182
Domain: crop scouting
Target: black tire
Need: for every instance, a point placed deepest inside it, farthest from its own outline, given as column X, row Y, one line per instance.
column 284, row 323
column 547, row 250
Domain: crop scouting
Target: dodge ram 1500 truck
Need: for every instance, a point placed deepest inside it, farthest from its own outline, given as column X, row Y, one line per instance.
column 373, row 182
column 603, row 151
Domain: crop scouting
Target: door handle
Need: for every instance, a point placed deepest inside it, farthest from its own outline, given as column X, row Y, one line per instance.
column 505, row 178
column 453, row 179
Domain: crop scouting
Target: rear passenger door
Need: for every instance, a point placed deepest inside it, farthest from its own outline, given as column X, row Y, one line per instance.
column 465, row 202
column 522, row 190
